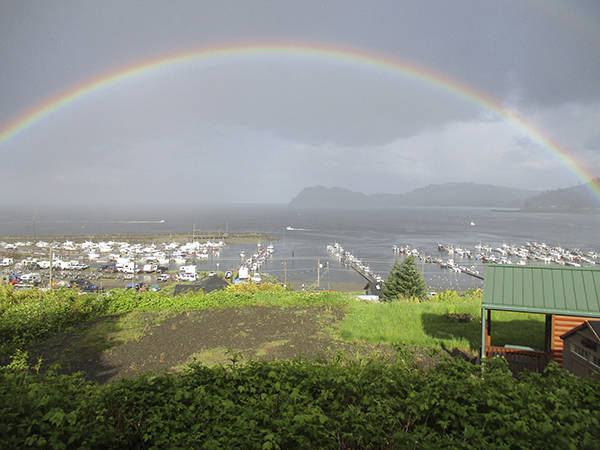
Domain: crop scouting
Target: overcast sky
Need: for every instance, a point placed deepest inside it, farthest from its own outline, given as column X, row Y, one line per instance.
column 260, row 129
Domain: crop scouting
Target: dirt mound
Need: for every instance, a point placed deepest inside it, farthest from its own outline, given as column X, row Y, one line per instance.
column 127, row 345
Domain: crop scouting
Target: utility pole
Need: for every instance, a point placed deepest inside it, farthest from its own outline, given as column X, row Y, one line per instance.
column 318, row 272
column 284, row 273
column 51, row 255
column 133, row 277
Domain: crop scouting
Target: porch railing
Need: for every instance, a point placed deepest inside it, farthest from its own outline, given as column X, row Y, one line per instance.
column 519, row 360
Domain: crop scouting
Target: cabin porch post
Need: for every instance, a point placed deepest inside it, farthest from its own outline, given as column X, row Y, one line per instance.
column 483, row 338
column 488, row 330
column 548, row 334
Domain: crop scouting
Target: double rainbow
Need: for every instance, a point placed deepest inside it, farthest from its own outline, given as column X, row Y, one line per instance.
column 352, row 56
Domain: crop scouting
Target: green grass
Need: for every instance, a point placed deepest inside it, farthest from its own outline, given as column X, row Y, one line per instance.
column 265, row 348
column 250, row 295
column 425, row 325
column 85, row 341
column 210, row 357
column 112, row 331
column 28, row 316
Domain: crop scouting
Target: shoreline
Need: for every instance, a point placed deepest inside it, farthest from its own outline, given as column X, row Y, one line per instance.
column 230, row 238
column 583, row 211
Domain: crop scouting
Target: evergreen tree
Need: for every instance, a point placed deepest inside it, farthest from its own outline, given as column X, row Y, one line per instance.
column 391, row 287
column 404, row 280
column 412, row 283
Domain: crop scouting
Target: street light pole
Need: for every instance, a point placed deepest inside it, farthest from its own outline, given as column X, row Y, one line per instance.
column 51, row 257
column 318, row 272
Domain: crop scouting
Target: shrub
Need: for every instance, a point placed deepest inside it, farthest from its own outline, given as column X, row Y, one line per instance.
column 304, row 404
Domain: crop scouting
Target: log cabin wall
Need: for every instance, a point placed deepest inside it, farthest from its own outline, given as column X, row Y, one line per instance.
column 561, row 325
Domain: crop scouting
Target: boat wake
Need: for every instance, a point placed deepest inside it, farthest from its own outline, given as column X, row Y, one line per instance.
column 290, row 228
column 143, row 221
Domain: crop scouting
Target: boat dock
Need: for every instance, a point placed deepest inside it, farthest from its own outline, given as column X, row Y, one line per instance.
column 374, row 281
column 523, row 254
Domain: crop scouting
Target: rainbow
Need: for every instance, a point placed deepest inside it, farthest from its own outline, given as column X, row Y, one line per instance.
column 331, row 53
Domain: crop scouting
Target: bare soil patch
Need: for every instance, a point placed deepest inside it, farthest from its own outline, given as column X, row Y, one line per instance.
column 127, row 345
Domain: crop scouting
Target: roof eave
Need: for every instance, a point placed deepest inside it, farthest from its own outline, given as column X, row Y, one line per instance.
column 560, row 312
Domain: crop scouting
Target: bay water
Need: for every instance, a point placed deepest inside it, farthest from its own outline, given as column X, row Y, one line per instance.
column 301, row 236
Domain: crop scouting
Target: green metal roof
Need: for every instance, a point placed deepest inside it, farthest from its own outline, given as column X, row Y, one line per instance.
column 571, row 291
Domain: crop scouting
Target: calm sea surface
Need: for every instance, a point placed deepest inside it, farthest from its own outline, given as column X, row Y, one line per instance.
column 369, row 235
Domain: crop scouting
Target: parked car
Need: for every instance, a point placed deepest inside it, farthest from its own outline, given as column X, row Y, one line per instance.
column 91, row 288
column 110, row 268
column 80, row 282
column 31, row 278
column 188, row 277
column 85, row 285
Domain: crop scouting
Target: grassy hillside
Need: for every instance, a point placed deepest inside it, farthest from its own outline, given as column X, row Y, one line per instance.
column 337, row 402
column 431, row 324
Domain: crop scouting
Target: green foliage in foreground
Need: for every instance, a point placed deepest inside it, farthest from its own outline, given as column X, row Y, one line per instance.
column 304, row 404
column 245, row 295
column 426, row 324
column 30, row 314
column 34, row 314
column 26, row 316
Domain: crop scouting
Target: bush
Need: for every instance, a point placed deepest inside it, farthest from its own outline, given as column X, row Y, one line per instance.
column 300, row 404
column 32, row 314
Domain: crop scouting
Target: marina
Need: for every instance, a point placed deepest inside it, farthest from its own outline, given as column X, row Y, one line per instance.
column 459, row 259
column 471, row 262
column 376, row 238
column 113, row 263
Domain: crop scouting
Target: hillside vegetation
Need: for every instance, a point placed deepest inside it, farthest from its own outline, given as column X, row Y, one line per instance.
column 574, row 198
column 338, row 402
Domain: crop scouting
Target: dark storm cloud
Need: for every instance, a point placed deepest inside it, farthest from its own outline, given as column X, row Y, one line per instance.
column 262, row 129
column 484, row 43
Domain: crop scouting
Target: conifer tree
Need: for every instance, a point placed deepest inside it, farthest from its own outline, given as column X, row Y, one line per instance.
column 391, row 287
column 404, row 280
column 411, row 283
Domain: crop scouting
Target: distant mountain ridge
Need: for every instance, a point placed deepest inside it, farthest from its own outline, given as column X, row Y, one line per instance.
column 574, row 198
column 320, row 197
column 447, row 194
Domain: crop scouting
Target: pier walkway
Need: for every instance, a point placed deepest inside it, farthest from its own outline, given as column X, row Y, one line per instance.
column 374, row 282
